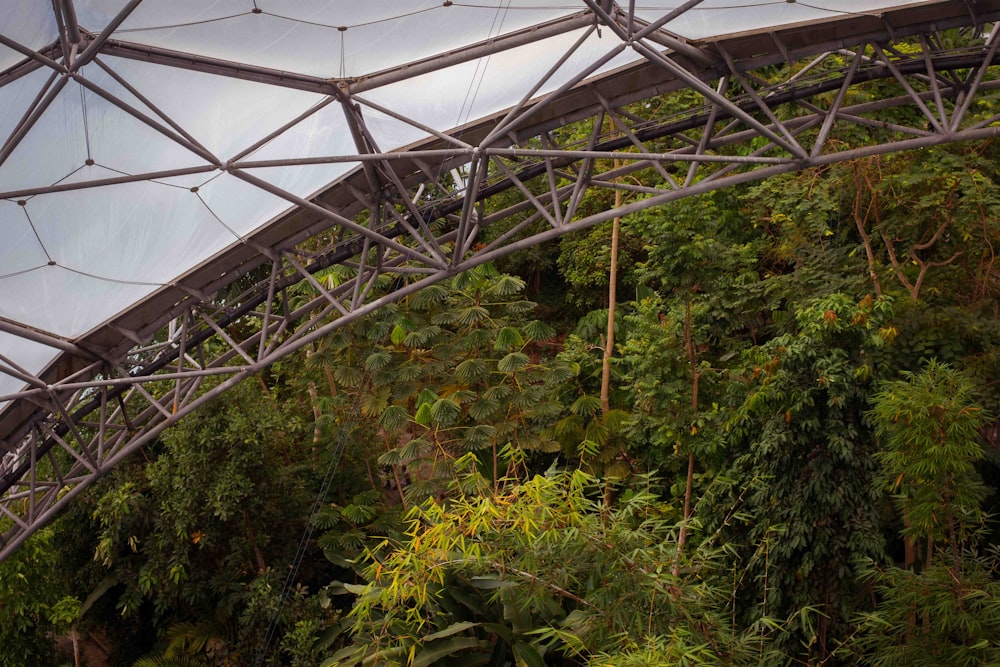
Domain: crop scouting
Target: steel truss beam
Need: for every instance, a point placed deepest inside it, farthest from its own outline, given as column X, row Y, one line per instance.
column 412, row 218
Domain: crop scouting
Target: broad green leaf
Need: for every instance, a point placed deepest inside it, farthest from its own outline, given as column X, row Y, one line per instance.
column 347, row 375
column 513, row 362
column 426, row 396
column 345, row 657
column 571, row 425
column 422, row 337
column 500, row 630
column 478, row 436
column 538, row 330
column 415, row 449
column 375, row 401
column 393, row 417
column 378, row 360
column 359, row 514
column 477, row 339
column 398, row 335
column 527, row 655
column 483, row 409
column 586, row 406
column 473, row 314
column 506, row 285
column 446, row 647
column 508, row 338
column 471, row 371
column 497, row 392
column 331, row 634
column 491, row 583
column 393, row 457
column 338, row 588
column 429, row 297
column 445, row 412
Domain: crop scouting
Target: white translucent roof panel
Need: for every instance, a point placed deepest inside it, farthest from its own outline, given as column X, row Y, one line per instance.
column 239, row 205
column 714, row 18
column 103, row 252
column 61, row 300
column 53, row 149
column 24, row 355
column 455, row 95
column 223, row 114
column 325, row 38
column 30, row 24
column 324, row 132
column 17, row 96
column 20, row 251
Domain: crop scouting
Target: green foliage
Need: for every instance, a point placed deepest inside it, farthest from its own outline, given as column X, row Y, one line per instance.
column 585, row 259
column 194, row 533
column 544, row 569
column 660, row 379
column 33, row 604
column 930, row 424
column 947, row 614
column 801, row 431
column 462, row 372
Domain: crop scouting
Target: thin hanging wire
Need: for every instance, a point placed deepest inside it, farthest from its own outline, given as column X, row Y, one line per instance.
column 293, row 572
column 481, row 66
column 473, row 90
column 331, row 471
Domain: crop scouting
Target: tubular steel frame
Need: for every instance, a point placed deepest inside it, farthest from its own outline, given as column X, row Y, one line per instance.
column 417, row 214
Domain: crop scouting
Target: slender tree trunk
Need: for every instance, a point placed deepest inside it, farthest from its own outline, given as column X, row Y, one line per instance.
column 609, row 340
column 860, row 222
column 252, row 538
column 317, row 414
column 909, row 548
column 688, row 487
column 395, row 471
column 496, row 475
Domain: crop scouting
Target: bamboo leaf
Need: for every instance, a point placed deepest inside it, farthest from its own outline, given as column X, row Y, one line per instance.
column 452, row 629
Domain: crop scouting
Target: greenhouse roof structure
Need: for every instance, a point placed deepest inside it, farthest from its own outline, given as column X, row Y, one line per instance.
column 156, row 154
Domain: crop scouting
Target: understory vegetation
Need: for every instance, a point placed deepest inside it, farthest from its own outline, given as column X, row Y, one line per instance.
column 791, row 458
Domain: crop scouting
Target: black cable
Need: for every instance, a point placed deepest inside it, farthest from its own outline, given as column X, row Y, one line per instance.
column 328, row 477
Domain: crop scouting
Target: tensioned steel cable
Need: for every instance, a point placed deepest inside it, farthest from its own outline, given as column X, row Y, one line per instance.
column 331, row 471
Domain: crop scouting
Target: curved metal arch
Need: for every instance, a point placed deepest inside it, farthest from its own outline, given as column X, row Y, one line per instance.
column 416, row 215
